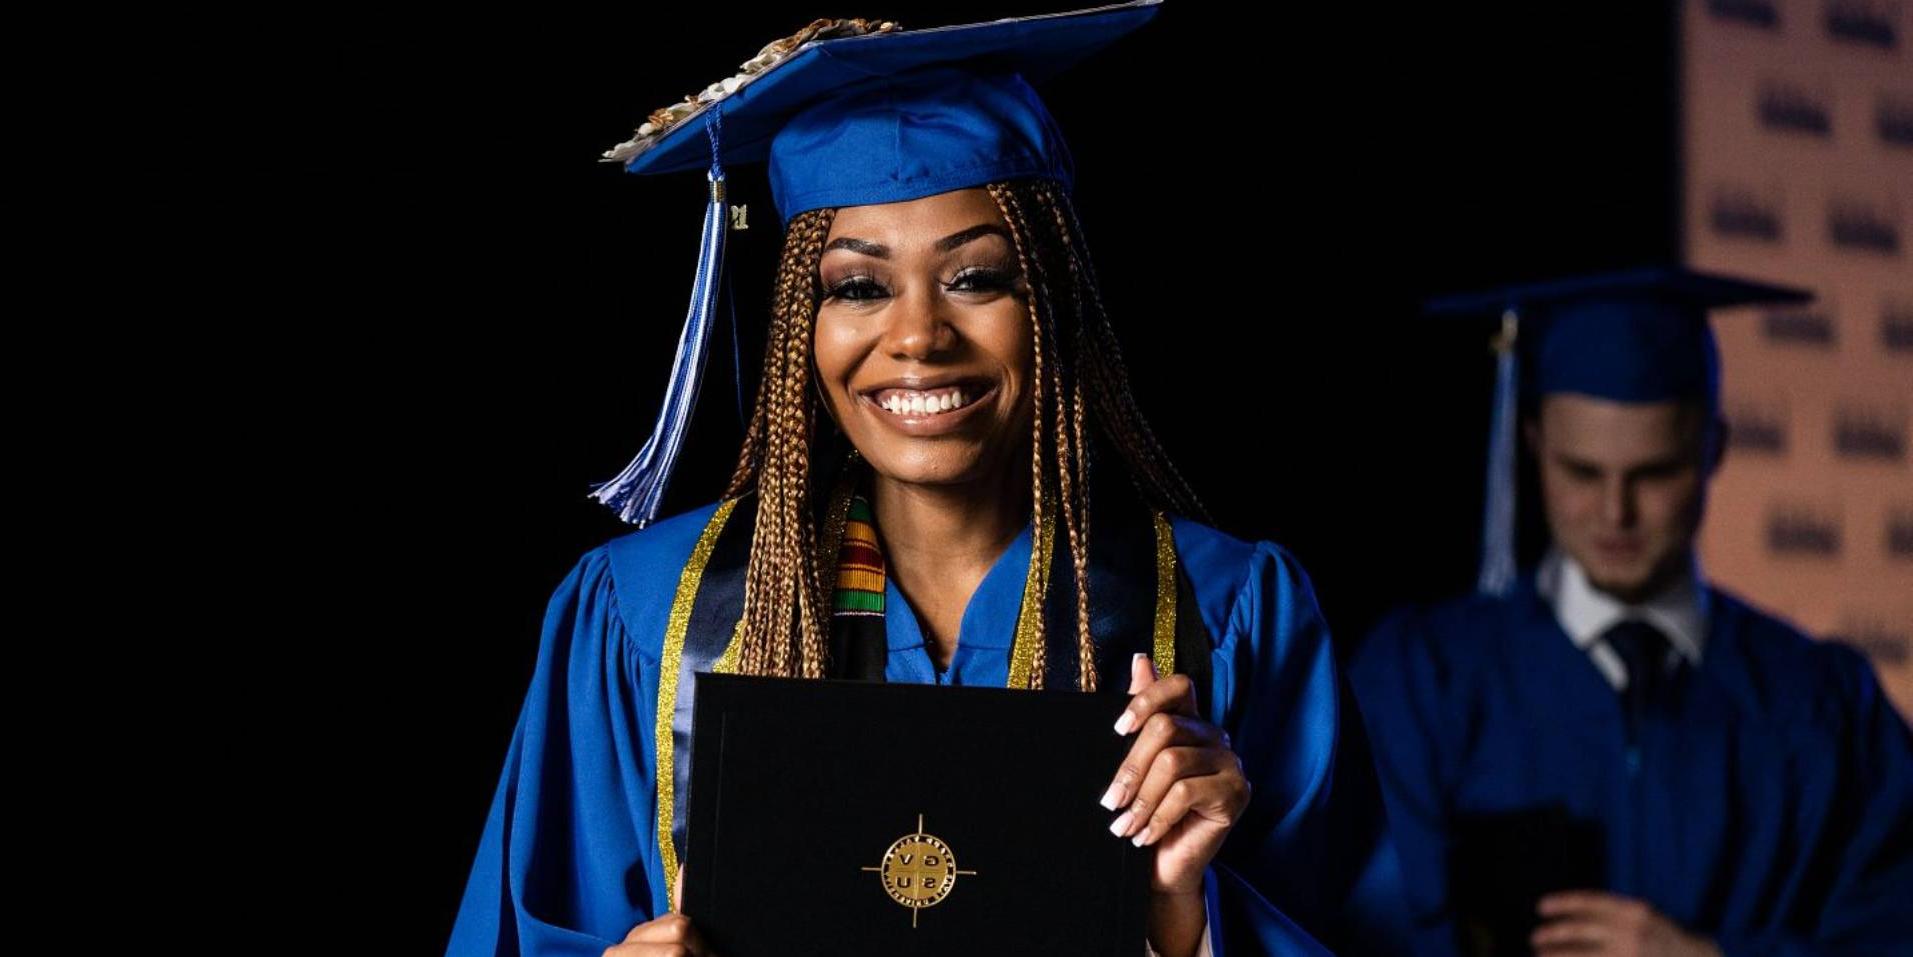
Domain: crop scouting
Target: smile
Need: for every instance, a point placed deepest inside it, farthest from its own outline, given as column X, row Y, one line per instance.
column 934, row 402
column 928, row 411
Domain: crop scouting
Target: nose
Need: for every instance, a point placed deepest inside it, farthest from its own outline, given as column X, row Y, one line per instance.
column 918, row 328
column 1617, row 503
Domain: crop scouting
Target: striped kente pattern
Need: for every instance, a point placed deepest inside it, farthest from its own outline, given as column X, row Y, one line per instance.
column 860, row 581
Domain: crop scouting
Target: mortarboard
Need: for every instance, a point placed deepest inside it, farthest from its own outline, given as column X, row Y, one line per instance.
column 1639, row 335
column 847, row 113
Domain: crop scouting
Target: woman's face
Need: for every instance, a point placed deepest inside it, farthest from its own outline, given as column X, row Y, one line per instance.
column 923, row 337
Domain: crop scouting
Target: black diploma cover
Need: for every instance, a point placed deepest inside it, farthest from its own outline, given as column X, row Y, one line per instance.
column 847, row 817
column 1503, row 862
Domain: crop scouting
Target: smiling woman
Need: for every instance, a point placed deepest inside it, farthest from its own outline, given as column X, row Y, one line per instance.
column 939, row 375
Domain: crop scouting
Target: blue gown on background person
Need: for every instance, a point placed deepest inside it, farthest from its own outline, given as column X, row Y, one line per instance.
column 1770, row 809
column 569, row 862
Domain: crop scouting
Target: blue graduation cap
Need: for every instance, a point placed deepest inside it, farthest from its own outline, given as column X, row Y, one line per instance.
column 848, row 113
column 1639, row 335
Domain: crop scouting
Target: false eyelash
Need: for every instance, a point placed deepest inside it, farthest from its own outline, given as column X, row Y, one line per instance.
column 855, row 279
column 984, row 278
column 988, row 278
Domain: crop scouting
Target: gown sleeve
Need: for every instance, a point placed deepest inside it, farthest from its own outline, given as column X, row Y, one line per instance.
column 1313, row 847
column 1869, row 848
column 564, row 863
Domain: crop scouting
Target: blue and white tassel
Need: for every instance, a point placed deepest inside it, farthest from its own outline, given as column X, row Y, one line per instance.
column 1498, row 512
column 637, row 491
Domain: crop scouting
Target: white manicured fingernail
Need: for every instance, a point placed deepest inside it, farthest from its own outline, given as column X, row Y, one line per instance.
column 1141, row 838
column 1113, row 796
column 1121, row 824
column 1124, row 723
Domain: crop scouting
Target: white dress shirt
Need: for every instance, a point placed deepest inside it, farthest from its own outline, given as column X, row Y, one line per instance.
column 1680, row 611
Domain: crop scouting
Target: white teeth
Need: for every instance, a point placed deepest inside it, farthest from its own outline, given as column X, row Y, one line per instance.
column 920, row 403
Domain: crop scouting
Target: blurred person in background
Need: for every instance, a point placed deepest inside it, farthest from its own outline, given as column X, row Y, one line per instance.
column 1607, row 753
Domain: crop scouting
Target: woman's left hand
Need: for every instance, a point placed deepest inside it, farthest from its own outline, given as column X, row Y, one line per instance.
column 1182, row 784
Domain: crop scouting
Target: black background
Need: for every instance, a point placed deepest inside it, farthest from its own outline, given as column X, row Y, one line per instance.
column 484, row 314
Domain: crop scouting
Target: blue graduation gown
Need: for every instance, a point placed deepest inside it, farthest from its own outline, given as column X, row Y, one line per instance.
column 1771, row 810
column 568, row 861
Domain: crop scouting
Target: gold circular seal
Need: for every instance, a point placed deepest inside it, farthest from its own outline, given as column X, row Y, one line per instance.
column 918, row 870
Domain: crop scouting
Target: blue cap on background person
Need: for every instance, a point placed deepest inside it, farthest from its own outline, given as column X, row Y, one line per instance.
column 849, row 113
column 1639, row 335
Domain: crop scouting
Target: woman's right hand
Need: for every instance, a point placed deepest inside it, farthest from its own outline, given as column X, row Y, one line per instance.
column 669, row 936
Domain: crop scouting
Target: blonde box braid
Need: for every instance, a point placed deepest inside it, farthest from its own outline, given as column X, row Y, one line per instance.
column 784, row 609
column 786, row 615
column 1050, row 379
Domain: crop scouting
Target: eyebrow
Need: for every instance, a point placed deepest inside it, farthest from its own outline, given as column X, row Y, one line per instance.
column 1578, row 464
column 943, row 245
column 1668, row 463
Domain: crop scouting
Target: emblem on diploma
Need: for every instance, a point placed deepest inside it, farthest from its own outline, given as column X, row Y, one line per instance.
column 918, row 870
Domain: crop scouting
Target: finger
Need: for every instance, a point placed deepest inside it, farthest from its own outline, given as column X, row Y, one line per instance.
column 1584, row 902
column 1572, row 932
column 677, row 890
column 1175, row 694
column 1208, row 783
column 672, row 933
column 669, row 929
column 656, row 950
column 1141, row 674
column 1159, row 732
column 1175, row 770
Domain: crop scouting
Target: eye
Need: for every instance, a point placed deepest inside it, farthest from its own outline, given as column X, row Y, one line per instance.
column 983, row 279
column 855, row 288
column 1662, row 472
column 1581, row 471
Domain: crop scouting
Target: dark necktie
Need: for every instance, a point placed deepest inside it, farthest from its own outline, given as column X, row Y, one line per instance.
column 1643, row 648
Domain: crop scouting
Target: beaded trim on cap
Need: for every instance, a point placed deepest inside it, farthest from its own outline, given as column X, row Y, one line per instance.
column 777, row 51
